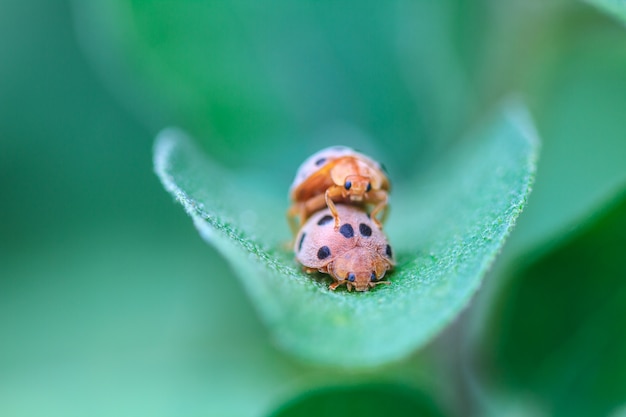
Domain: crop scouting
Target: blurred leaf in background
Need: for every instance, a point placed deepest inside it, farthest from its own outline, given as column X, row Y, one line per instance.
column 365, row 400
column 111, row 305
column 617, row 8
column 556, row 335
column 273, row 75
column 577, row 93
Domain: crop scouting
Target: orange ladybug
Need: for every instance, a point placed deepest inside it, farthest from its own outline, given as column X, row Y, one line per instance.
column 357, row 254
column 338, row 175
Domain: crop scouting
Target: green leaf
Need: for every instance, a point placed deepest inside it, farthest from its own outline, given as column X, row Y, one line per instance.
column 558, row 329
column 373, row 400
column 579, row 93
column 446, row 227
column 239, row 72
column 616, row 8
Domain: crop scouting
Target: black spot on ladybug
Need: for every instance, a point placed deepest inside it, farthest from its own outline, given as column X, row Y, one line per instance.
column 348, row 185
column 369, row 187
column 373, row 276
column 388, row 251
column 346, row 230
column 365, row 230
column 351, row 277
column 300, row 243
column 323, row 252
column 326, row 219
column 320, row 161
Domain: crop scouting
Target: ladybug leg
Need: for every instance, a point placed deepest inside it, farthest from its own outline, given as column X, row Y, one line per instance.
column 382, row 198
column 292, row 214
column 312, row 205
column 373, row 284
column 302, row 210
column 330, row 193
column 336, row 284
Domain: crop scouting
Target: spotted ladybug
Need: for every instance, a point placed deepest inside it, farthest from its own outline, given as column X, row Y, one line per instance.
column 356, row 254
column 338, row 175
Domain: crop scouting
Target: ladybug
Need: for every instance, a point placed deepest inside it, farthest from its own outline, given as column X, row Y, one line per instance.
column 357, row 254
column 338, row 175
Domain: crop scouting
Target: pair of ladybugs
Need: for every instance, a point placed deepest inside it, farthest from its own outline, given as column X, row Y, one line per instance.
column 336, row 197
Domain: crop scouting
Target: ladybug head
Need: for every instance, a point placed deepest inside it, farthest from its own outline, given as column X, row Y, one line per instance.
column 360, row 268
column 355, row 176
column 356, row 186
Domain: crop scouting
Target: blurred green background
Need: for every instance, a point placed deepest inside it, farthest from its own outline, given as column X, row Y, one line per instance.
column 110, row 303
